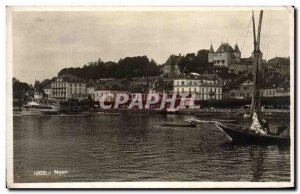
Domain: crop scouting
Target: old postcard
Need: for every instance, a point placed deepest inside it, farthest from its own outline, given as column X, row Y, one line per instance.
column 150, row 97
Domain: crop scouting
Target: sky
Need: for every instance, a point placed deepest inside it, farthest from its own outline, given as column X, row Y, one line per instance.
column 44, row 42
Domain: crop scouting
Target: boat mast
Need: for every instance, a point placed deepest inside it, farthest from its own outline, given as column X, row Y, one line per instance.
column 257, row 62
column 254, row 35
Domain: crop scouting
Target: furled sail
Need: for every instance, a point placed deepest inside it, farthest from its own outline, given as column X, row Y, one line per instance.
column 256, row 125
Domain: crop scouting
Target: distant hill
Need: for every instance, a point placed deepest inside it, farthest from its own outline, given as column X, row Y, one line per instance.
column 279, row 65
column 279, row 61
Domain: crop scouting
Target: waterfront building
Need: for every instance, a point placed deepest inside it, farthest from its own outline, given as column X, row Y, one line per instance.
column 209, row 91
column 68, row 86
column 245, row 90
column 282, row 92
column 242, row 91
column 268, row 92
column 204, row 86
column 283, row 89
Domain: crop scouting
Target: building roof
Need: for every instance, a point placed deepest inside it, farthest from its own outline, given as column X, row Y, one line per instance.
column 279, row 60
column 224, row 47
column 199, row 77
column 246, row 60
column 236, row 49
column 173, row 60
column 70, row 78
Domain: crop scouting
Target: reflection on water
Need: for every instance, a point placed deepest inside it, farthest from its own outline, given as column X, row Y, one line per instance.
column 137, row 148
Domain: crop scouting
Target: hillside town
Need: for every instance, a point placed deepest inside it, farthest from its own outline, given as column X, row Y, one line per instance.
column 154, row 95
column 220, row 75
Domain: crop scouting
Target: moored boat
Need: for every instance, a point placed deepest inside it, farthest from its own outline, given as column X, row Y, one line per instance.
column 259, row 131
column 34, row 108
column 247, row 136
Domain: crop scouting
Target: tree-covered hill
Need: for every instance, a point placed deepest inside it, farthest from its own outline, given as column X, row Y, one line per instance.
column 128, row 67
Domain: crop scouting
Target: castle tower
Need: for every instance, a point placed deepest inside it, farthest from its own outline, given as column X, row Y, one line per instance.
column 211, row 54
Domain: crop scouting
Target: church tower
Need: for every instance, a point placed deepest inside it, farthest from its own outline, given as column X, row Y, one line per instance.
column 211, row 54
column 237, row 53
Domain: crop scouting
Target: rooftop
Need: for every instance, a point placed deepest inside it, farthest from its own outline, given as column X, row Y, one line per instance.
column 70, row 78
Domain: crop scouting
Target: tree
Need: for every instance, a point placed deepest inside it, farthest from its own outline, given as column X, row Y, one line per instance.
column 194, row 63
column 19, row 89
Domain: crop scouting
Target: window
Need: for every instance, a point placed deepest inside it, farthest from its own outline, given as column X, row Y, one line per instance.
column 178, row 83
column 182, row 89
column 182, row 83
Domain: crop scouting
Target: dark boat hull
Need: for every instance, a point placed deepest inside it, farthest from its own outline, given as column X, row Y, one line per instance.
column 239, row 135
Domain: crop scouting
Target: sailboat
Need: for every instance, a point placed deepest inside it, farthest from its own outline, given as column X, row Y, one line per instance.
column 259, row 131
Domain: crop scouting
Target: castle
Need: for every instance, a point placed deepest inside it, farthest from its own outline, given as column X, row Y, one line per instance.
column 225, row 55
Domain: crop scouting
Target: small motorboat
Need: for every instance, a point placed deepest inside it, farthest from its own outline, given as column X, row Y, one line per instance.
column 179, row 124
column 224, row 120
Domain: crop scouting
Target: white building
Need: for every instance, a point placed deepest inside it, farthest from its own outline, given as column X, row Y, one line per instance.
column 242, row 91
column 48, row 91
column 268, row 92
column 37, row 96
column 211, row 91
column 68, row 86
column 282, row 92
column 205, row 88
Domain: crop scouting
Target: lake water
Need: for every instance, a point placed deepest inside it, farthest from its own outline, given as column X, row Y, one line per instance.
column 137, row 148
